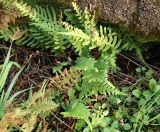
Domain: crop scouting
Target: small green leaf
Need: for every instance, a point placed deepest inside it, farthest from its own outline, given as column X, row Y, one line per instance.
column 133, row 118
column 158, row 101
column 119, row 114
column 107, row 120
column 147, row 94
column 146, row 119
column 59, row 67
column 152, row 84
column 157, row 88
column 137, row 93
column 79, row 111
column 149, row 74
column 84, row 63
column 115, row 124
column 141, row 102
column 86, row 129
column 80, row 124
column 127, row 126
column 129, row 99
column 71, row 93
column 138, row 70
column 143, row 69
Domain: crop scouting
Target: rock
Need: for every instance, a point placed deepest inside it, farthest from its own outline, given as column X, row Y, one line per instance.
column 140, row 17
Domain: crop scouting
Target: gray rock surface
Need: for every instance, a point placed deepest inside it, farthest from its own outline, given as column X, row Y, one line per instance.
column 141, row 17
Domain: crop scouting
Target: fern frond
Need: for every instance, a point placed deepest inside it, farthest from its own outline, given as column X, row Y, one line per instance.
column 77, row 37
column 79, row 111
column 85, row 18
column 110, row 59
column 29, row 125
column 44, row 19
column 43, row 30
column 66, row 79
column 110, row 40
column 39, row 99
column 26, row 117
column 8, row 119
column 103, row 39
column 43, row 106
column 96, row 88
column 110, row 89
column 25, row 9
column 35, row 38
column 40, row 17
column 39, row 127
column 8, row 13
column 129, row 42
column 11, row 33
column 6, row 33
column 60, row 42
column 94, row 76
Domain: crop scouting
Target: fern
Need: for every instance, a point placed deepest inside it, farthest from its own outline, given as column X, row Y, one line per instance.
column 50, row 34
column 6, row 33
column 79, row 111
column 34, row 38
column 26, row 116
column 77, row 37
column 66, row 79
column 83, row 40
column 88, row 75
column 95, row 78
column 85, row 18
column 40, row 102
column 43, row 30
column 8, row 12
column 102, row 39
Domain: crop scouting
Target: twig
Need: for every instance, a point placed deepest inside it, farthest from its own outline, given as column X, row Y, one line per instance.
column 61, row 121
column 130, row 60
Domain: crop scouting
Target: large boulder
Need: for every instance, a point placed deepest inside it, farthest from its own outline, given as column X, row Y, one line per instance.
column 140, row 17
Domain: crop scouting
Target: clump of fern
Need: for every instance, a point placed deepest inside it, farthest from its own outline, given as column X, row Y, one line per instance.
column 90, row 74
column 41, row 29
column 25, row 117
column 47, row 33
column 85, row 38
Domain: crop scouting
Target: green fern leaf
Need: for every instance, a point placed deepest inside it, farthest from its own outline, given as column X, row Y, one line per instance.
column 43, row 106
column 79, row 111
column 43, row 29
column 84, row 63
column 77, row 37
column 86, row 19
